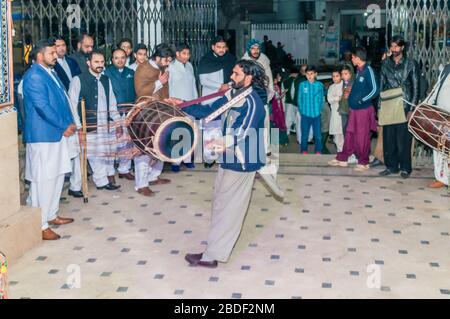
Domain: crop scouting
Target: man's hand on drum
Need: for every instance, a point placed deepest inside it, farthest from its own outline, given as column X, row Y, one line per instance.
column 408, row 116
column 218, row 146
column 132, row 153
column 164, row 77
column 119, row 132
column 224, row 87
column 173, row 101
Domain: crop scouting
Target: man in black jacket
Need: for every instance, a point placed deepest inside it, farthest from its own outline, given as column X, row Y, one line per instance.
column 85, row 46
column 399, row 71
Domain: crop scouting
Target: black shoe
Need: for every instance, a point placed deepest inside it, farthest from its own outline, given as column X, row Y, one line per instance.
column 109, row 187
column 209, row 165
column 405, row 174
column 195, row 261
column 387, row 172
column 76, row 194
column 376, row 162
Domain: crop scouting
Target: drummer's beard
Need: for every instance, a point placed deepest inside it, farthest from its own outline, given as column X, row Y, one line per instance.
column 237, row 86
column 397, row 53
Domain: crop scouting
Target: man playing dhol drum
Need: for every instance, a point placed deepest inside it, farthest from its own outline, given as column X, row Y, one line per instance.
column 243, row 150
column 440, row 97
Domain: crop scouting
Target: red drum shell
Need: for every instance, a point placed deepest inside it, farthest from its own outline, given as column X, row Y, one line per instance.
column 155, row 128
column 431, row 125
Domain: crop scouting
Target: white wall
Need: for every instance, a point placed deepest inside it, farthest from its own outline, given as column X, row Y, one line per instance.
column 294, row 37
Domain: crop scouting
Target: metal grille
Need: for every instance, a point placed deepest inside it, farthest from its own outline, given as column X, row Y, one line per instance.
column 5, row 84
column 144, row 21
column 294, row 37
column 193, row 22
column 425, row 25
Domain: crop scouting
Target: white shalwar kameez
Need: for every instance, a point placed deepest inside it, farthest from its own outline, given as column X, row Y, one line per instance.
column 441, row 170
column 45, row 167
column 100, row 143
column 182, row 84
column 334, row 95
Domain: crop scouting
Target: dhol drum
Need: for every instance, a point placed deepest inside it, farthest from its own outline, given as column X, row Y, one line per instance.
column 431, row 125
column 161, row 130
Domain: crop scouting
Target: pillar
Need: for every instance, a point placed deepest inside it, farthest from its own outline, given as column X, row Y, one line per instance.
column 20, row 227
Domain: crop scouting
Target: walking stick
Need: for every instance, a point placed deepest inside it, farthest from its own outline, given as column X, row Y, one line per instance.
column 83, row 154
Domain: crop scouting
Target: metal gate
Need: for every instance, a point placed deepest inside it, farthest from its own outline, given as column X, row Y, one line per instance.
column 425, row 25
column 190, row 21
column 144, row 21
column 6, row 96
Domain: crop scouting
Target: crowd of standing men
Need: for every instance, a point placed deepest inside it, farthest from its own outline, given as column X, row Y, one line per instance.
column 56, row 83
column 360, row 103
column 54, row 86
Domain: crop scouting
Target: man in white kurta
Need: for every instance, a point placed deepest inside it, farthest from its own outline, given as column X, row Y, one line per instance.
column 46, row 166
column 440, row 97
column 182, row 84
column 48, row 125
column 74, row 146
column 100, row 143
column 254, row 54
column 140, row 56
column 334, row 96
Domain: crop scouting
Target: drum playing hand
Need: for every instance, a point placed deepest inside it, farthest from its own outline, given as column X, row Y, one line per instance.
column 408, row 116
column 164, row 77
column 130, row 153
column 119, row 132
column 173, row 101
column 224, row 87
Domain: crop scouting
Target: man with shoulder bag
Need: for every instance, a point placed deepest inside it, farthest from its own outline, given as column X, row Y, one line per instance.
column 399, row 94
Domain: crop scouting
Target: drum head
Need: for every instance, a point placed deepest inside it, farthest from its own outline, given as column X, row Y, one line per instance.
column 175, row 139
column 162, row 131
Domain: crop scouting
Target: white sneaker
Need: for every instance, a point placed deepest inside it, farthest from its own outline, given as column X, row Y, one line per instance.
column 352, row 159
column 335, row 163
column 361, row 168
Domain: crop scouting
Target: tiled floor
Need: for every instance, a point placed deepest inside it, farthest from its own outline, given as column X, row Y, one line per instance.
column 339, row 234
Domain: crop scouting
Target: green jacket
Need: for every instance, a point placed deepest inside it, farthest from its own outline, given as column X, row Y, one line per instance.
column 288, row 85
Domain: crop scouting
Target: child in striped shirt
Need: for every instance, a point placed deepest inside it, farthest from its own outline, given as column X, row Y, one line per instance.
column 310, row 104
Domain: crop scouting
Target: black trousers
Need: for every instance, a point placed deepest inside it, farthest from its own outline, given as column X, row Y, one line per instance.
column 344, row 119
column 397, row 143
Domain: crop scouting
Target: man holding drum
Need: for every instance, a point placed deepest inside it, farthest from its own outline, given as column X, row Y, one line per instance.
column 243, row 153
column 152, row 79
column 440, row 97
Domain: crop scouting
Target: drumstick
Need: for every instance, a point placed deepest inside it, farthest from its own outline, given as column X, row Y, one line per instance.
column 202, row 99
column 83, row 146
